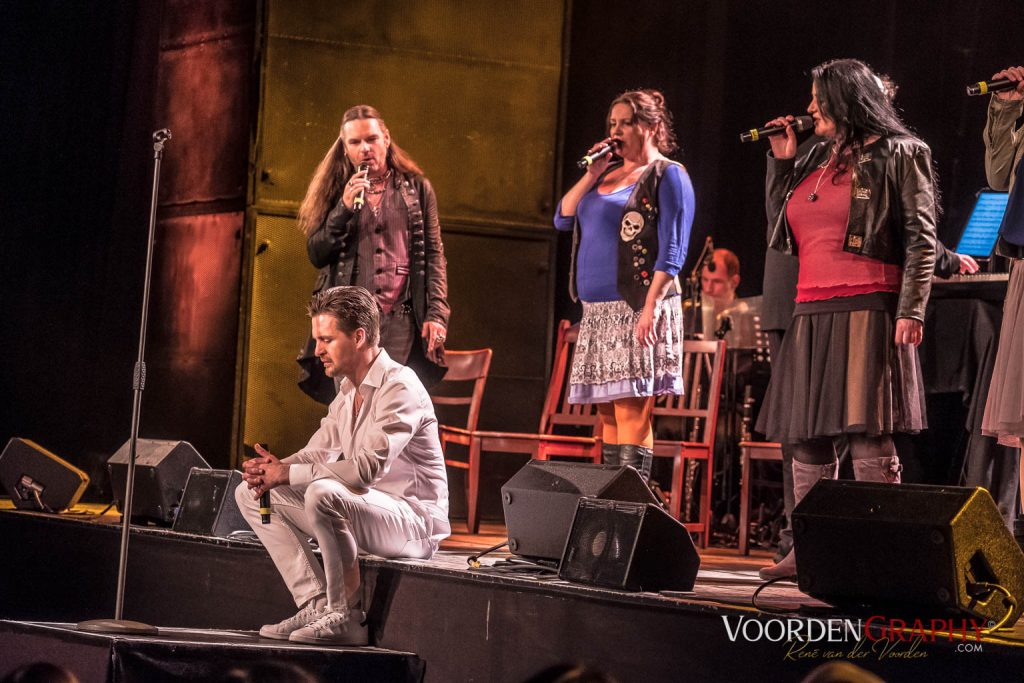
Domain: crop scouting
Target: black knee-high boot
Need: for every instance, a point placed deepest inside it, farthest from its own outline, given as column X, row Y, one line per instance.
column 610, row 454
column 637, row 457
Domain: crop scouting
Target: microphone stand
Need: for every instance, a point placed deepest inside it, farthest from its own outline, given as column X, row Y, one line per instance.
column 695, row 294
column 118, row 624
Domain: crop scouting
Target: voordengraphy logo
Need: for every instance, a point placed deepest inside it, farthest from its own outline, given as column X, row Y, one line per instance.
column 880, row 628
column 881, row 637
column 794, row 629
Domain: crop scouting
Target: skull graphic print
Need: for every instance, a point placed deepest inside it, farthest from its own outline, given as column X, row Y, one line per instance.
column 632, row 224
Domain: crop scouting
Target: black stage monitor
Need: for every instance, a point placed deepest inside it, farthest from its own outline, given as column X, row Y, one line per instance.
column 979, row 235
column 161, row 471
column 540, row 501
column 914, row 550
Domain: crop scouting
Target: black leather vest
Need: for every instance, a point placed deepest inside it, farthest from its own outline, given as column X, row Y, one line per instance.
column 344, row 270
column 638, row 238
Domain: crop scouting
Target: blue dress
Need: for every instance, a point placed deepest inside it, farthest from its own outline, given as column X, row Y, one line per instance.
column 609, row 363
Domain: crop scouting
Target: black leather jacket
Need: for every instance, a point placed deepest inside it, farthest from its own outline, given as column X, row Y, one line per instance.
column 892, row 210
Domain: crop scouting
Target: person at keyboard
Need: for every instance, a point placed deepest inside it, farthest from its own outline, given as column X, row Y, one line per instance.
column 949, row 262
column 1004, row 163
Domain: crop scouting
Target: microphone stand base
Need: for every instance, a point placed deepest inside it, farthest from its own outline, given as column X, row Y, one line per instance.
column 122, row 626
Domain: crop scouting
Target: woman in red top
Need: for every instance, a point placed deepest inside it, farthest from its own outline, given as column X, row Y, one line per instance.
column 858, row 209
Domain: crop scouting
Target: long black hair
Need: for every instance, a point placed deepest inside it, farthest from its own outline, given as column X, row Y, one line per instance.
column 850, row 94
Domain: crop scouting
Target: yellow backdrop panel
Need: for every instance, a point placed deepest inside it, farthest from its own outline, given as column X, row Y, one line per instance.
column 276, row 411
column 470, row 89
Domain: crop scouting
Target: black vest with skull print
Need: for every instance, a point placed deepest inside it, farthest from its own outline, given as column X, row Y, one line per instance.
column 638, row 238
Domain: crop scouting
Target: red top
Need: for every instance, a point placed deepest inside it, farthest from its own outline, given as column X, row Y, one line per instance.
column 819, row 228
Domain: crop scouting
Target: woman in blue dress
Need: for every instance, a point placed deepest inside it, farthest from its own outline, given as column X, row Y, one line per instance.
column 630, row 215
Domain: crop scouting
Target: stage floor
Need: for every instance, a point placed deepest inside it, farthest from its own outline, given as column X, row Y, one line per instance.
column 487, row 623
column 726, row 579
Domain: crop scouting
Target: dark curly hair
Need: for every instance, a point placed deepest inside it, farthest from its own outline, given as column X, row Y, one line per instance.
column 649, row 108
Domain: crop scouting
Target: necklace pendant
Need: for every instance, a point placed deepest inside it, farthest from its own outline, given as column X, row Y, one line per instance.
column 812, row 197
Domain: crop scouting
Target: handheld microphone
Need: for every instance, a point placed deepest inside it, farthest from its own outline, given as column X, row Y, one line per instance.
column 265, row 507
column 357, row 206
column 602, row 151
column 800, row 124
column 985, row 87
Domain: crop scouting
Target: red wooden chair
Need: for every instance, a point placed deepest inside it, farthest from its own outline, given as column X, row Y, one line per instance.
column 464, row 367
column 550, row 441
column 697, row 414
column 751, row 451
column 560, row 416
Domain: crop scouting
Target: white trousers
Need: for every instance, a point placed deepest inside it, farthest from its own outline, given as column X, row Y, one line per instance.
column 343, row 523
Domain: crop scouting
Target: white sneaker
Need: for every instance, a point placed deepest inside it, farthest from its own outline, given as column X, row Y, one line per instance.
column 282, row 629
column 347, row 627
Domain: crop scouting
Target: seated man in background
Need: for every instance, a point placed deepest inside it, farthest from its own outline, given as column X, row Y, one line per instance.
column 726, row 316
column 720, row 278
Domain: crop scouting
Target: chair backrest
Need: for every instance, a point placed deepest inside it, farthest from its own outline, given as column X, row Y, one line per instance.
column 558, row 412
column 464, row 367
column 697, row 409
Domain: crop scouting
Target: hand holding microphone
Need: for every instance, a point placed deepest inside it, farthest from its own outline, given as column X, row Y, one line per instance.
column 799, row 123
column 354, row 194
column 1007, row 84
column 263, row 473
column 601, row 152
column 782, row 136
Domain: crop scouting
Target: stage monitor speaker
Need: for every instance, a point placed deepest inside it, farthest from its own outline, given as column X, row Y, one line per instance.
column 910, row 550
column 36, row 479
column 208, row 506
column 629, row 546
column 161, row 470
column 540, row 501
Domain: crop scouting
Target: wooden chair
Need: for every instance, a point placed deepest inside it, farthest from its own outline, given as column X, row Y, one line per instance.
column 548, row 442
column 559, row 414
column 749, row 452
column 463, row 367
column 697, row 414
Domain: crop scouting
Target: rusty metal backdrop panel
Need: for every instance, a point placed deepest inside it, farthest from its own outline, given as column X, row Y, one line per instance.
column 206, row 100
column 470, row 89
column 193, row 331
column 276, row 410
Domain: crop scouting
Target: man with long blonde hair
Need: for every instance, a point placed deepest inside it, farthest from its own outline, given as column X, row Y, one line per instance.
column 370, row 219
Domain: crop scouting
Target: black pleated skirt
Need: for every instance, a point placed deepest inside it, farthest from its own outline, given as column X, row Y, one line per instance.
column 839, row 371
